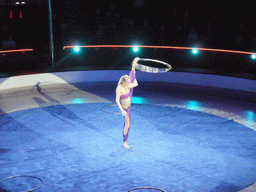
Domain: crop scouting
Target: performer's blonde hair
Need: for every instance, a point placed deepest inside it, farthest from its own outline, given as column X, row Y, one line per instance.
column 122, row 79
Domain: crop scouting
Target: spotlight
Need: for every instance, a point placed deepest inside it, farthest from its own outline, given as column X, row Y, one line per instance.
column 250, row 116
column 77, row 49
column 194, row 51
column 77, row 101
column 135, row 49
column 193, row 105
column 138, row 100
column 253, row 56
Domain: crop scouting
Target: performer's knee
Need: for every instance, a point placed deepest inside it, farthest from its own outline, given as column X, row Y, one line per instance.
column 126, row 126
column 127, row 122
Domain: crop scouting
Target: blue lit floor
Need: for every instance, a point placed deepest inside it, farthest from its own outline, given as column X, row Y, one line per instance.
column 182, row 138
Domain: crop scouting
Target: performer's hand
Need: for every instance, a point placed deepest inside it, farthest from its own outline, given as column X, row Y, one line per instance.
column 124, row 112
column 134, row 65
column 136, row 59
column 135, row 62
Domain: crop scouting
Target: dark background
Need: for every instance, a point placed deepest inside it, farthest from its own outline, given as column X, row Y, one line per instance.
column 143, row 22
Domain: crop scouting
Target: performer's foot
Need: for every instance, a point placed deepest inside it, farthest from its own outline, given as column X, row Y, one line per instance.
column 125, row 145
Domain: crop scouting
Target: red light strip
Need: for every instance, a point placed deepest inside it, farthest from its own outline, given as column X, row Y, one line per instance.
column 17, row 50
column 158, row 47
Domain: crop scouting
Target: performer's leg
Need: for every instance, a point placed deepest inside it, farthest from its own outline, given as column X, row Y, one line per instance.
column 126, row 127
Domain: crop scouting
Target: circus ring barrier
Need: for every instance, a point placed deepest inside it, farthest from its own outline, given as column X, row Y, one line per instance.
column 66, row 79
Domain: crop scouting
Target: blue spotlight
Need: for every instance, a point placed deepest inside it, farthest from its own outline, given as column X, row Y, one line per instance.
column 77, row 101
column 250, row 116
column 253, row 56
column 135, row 49
column 192, row 105
column 194, row 51
column 77, row 49
column 139, row 100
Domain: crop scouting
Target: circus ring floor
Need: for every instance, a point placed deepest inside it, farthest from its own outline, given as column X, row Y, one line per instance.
column 185, row 136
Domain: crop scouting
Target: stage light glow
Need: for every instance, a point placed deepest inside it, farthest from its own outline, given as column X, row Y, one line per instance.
column 192, row 105
column 10, row 15
column 77, row 101
column 160, row 47
column 77, row 49
column 253, row 56
column 135, row 49
column 138, row 100
column 250, row 116
column 194, row 51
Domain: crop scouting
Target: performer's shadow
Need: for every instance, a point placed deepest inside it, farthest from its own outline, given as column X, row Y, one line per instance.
column 59, row 111
column 39, row 89
column 62, row 113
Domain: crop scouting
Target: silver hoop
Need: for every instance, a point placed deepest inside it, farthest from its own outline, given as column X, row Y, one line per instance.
column 108, row 111
column 26, row 176
column 153, row 69
column 146, row 188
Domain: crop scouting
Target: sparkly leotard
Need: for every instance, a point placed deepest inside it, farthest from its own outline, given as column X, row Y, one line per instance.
column 128, row 110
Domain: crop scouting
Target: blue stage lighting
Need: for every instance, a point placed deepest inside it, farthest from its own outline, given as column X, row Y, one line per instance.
column 192, row 105
column 139, row 100
column 194, row 51
column 250, row 116
column 253, row 56
column 77, row 101
column 135, row 49
column 77, row 49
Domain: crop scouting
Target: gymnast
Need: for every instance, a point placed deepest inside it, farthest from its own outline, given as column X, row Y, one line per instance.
column 124, row 92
